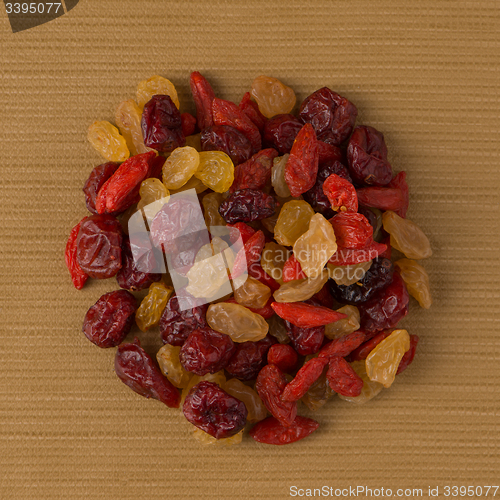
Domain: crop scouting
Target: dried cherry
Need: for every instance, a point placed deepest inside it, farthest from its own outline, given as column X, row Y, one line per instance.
column 305, row 340
column 283, row 356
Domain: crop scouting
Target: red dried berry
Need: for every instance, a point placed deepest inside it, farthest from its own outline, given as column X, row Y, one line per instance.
column 367, row 157
column 98, row 243
column 251, row 110
column 136, row 369
column 206, row 351
column 306, row 315
column 188, row 124
column 283, row 356
column 109, row 320
column 249, row 254
column 96, row 179
column 162, row 125
column 328, row 154
column 342, row 378
column 292, row 270
column 367, row 347
column 270, row 385
column 305, row 340
column 304, row 379
column 203, row 95
column 280, row 132
column 302, row 165
column 342, row 346
column 331, row 115
column 78, row 276
column 247, row 205
column 255, row 271
column 324, row 298
column 386, row 254
column 214, row 411
column 227, row 139
column 407, row 359
column 271, row 431
column 348, row 256
column 352, row 230
column 255, row 173
column 240, row 229
column 341, row 194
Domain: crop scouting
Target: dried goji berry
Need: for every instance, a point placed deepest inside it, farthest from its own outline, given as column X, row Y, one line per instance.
column 341, row 194
column 203, row 96
column 352, row 230
column 367, row 347
column 93, row 184
column 302, row 165
column 306, row 315
column 343, row 345
column 342, row 378
column 304, row 379
column 407, row 359
column 249, row 254
column 270, row 385
column 251, row 109
column 188, row 124
column 349, row 256
column 283, row 356
column 271, row 431
column 78, row 276
column 292, row 270
column 280, row 132
column 255, row 173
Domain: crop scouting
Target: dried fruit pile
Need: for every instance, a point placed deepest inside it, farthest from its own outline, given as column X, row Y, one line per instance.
column 315, row 204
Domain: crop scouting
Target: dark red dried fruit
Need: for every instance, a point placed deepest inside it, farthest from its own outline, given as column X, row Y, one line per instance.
column 304, row 379
column 376, row 278
column 280, row 132
column 292, row 270
column 247, row 205
column 252, row 111
column 283, row 356
column 136, row 369
column 305, row 340
column 347, row 256
column 306, row 315
column 302, row 165
column 387, row 307
column 328, row 154
column 367, row 157
column 341, row 194
column 162, row 125
column 206, row 351
column 342, row 346
column 227, row 139
column 270, row 385
column 342, row 378
column 132, row 277
column 109, row 320
column 176, row 325
column 249, row 254
column 352, row 230
column 271, row 431
column 99, row 242
column 255, row 271
column 324, row 298
column 78, row 276
column 228, row 113
column 255, row 173
column 331, row 115
column 214, row 411
column 240, row 229
column 96, row 179
column 188, row 124
column 367, row 347
column 407, row 359
column 248, row 358
column 203, row 95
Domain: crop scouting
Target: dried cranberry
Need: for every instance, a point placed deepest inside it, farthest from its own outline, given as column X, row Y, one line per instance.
column 306, row 340
column 248, row 358
column 331, row 115
column 136, row 369
column 206, row 351
column 132, row 277
column 247, row 205
column 327, row 153
column 99, row 242
column 407, row 359
column 78, row 277
column 96, row 179
column 214, row 411
column 376, row 278
column 387, row 307
column 280, row 132
column 254, row 173
column 227, row 139
column 176, row 325
column 283, row 356
column 162, row 124
column 367, row 157
column 203, row 96
column 109, row 320
column 341, row 194
column 188, row 124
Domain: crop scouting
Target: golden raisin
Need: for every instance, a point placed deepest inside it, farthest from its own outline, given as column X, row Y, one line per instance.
column 278, row 329
column 293, row 222
column 416, row 280
column 128, row 118
column 156, row 85
column 216, row 170
column 344, row 326
column 272, row 96
column 273, row 259
column 170, row 366
column 180, row 167
column 300, row 290
column 107, row 141
column 154, row 195
column 278, row 176
column 252, row 293
column 192, row 183
column 256, row 408
column 211, row 203
column 149, row 312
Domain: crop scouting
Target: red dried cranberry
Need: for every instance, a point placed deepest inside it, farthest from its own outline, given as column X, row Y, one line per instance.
column 280, row 132
column 214, row 411
column 407, row 359
column 96, row 179
column 305, row 340
column 283, row 356
column 247, row 205
column 254, row 173
column 227, row 139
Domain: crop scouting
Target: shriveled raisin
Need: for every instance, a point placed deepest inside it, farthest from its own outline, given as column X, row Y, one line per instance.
column 216, row 170
column 273, row 260
column 247, row 205
column 211, row 203
column 293, row 222
column 180, row 167
column 272, row 96
column 228, row 140
column 170, row 366
column 278, row 176
column 128, row 118
column 252, row 293
column 350, row 274
column 299, row 290
column 369, row 390
column 416, row 280
column 344, row 326
column 107, row 141
column 156, row 85
column 280, row 132
column 255, row 407
column 152, row 306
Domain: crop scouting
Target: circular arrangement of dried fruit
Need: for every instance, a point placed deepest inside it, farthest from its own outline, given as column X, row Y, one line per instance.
column 264, row 241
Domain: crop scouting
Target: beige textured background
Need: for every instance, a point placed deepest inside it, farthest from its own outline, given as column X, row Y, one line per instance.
column 425, row 73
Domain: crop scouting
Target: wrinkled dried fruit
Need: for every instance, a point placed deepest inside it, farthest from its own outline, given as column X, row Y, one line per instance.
column 254, row 173
column 207, row 440
column 217, row 378
column 306, row 315
column 252, row 294
column 180, row 166
column 292, row 270
column 188, row 125
column 370, row 389
column 216, row 170
column 136, row 369
column 278, row 176
column 97, row 178
column 203, row 95
column 349, row 256
column 319, row 393
column 255, row 407
column 352, row 230
column 78, row 276
column 271, row 431
column 154, row 195
column 214, row 411
column 407, row 359
column 304, row 379
column 170, row 366
column 252, row 111
column 306, row 341
column 280, row 132
column 211, row 203
column 361, row 352
column 283, row 356
column 293, row 222
column 342, row 346
column 344, row 326
column 273, row 260
column 416, row 280
column 156, row 85
column 152, row 306
column 247, row 205
column 406, row 236
column 341, row 194
column 278, row 329
column 128, row 118
column 343, row 379
column 300, row 290
column 272, row 96
column 228, row 140
column 249, row 254
column 107, row 141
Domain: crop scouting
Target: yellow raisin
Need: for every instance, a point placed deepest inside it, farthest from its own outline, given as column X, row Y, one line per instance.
column 207, row 440
column 273, row 259
column 293, row 222
column 370, row 388
column 382, row 363
column 252, row 293
column 344, row 326
column 416, row 280
column 192, row 183
column 170, row 366
column 211, row 203
column 107, row 141
column 272, row 96
column 270, row 222
column 278, row 329
column 149, row 312
column 350, row 274
column 256, row 408
column 278, row 176
column 218, row 378
column 180, row 167
column 300, row 290
column 216, row 170
column 128, row 118
column 241, row 324
column 154, row 195
column 406, row 236
column 156, row 85
column 319, row 393
column 194, row 141
column 315, row 246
